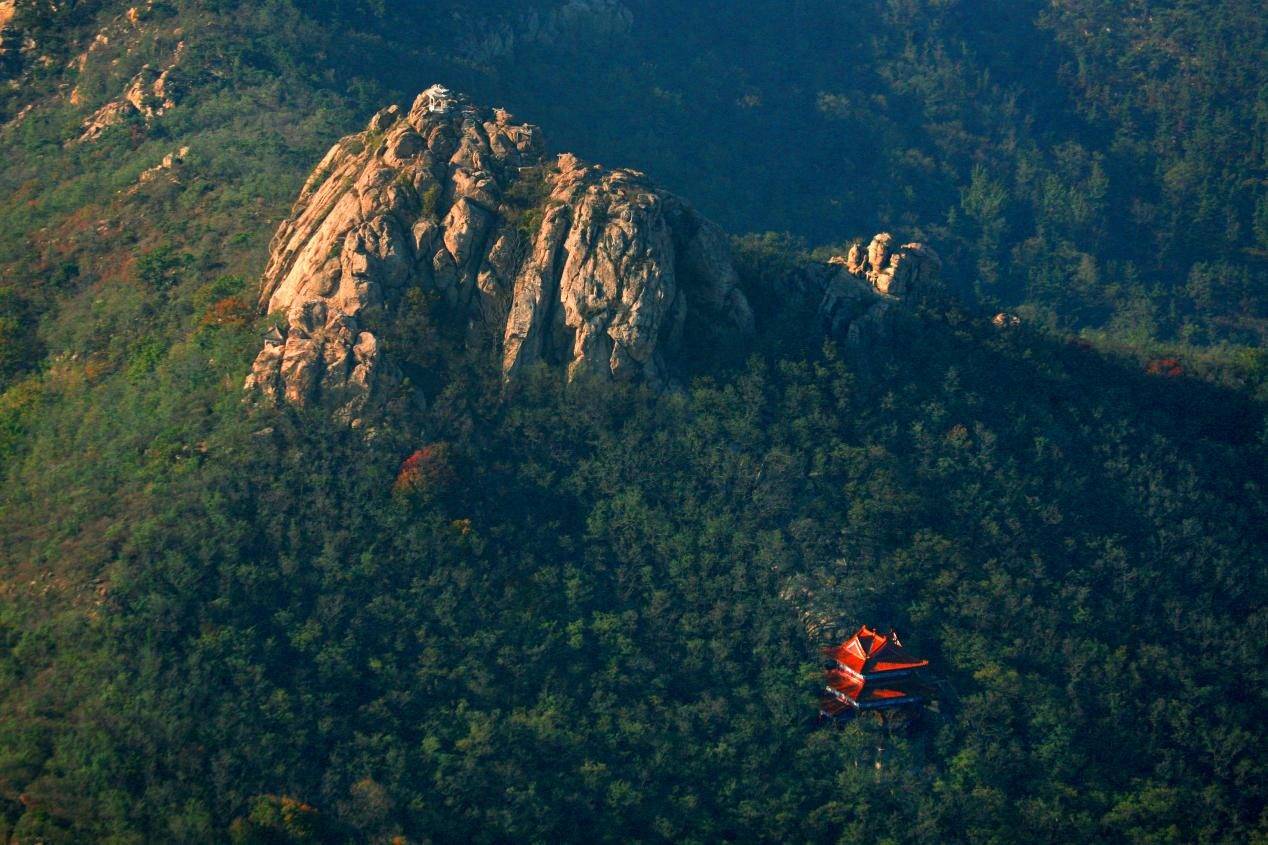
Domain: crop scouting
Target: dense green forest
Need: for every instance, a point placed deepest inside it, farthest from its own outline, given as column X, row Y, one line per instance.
column 593, row 612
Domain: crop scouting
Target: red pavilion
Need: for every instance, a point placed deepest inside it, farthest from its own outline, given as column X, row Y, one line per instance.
column 871, row 671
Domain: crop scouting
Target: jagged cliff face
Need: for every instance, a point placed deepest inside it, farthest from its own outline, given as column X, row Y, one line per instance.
column 556, row 260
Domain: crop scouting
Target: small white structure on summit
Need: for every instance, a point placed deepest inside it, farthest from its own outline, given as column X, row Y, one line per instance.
column 439, row 99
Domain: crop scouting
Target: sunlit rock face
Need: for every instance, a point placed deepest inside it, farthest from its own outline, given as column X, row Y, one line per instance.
column 558, row 261
column 863, row 285
column 894, row 271
column 538, row 259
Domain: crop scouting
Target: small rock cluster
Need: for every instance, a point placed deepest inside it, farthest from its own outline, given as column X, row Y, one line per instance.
column 170, row 162
column 857, row 297
column 149, row 95
column 892, row 271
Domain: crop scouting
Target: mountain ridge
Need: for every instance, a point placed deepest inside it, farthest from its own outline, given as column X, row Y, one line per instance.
column 542, row 259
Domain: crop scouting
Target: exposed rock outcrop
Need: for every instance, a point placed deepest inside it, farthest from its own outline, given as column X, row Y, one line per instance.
column 910, row 268
column 149, row 95
column 171, row 162
column 552, row 259
column 865, row 282
column 31, row 33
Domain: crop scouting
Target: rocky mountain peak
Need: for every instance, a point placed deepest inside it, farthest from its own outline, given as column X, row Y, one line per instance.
column 551, row 259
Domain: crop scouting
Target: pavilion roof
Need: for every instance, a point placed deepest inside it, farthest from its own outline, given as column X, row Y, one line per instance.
column 869, row 653
column 832, row 706
column 873, row 692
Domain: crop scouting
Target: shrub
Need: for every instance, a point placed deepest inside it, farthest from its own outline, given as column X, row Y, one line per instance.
column 230, row 311
column 431, row 200
column 1165, row 367
column 428, row 470
column 161, row 268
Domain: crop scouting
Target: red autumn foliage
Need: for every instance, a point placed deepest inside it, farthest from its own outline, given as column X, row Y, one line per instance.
column 231, row 311
column 428, row 469
column 1164, row 367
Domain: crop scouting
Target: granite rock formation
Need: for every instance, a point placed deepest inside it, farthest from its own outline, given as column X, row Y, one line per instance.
column 546, row 259
column 862, row 286
column 150, row 94
column 553, row 259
